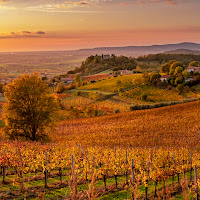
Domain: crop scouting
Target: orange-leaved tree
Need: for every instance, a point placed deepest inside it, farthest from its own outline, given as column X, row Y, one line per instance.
column 29, row 109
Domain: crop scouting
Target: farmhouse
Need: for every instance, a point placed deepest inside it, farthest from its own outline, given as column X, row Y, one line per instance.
column 126, row 72
column 106, row 57
column 164, row 78
column 193, row 69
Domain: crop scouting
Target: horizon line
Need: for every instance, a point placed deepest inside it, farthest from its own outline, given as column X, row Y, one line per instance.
column 81, row 49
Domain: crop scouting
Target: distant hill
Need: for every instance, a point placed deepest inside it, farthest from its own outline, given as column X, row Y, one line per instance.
column 97, row 64
column 136, row 51
column 183, row 51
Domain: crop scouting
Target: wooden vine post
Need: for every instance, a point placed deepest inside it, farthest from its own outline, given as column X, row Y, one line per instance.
column 73, row 178
column 191, row 166
column 146, row 187
column 126, row 168
column 21, row 171
column 45, row 171
column 133, row 176
column 4, row 168
column 195, row 181
column 173, row 171
column 132, row 168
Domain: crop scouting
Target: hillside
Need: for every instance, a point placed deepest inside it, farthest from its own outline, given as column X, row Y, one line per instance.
column 112, row 84
column 96, row 64
column 183, row 51
column 170, row 126
column 162, row 57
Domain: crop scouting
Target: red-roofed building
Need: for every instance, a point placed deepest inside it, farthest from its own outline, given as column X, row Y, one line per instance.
column 164, row 77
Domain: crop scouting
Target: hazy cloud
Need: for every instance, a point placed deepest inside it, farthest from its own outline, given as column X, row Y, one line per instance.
column 40, row 32
column 22, row 34
column 168, row 2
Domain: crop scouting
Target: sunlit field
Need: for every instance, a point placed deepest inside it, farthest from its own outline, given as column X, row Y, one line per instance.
column 176, row 125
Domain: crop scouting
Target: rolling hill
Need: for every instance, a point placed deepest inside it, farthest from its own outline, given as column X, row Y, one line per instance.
column 171, row 126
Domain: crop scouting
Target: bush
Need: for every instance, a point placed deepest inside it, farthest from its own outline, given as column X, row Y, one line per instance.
column 117, row 111
column 60, row 88
column 143, row 97
column 78, row 93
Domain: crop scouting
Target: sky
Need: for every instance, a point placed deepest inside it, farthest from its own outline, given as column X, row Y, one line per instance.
column 31, row 25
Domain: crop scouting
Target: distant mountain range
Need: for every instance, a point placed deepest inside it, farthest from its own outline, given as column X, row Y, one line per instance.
column 143, row 50
column 183, row 51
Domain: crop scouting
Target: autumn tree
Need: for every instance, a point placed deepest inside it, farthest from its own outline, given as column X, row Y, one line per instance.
column 29, row 109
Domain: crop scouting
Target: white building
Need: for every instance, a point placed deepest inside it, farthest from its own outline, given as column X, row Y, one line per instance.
column 126, row 72
column 193, row 69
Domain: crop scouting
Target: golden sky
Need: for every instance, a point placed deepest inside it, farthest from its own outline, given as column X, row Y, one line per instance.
column 27, row 25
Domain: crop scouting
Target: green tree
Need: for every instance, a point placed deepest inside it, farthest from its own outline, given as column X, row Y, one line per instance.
column 115, row 69
column 175, row 65
column 131, row 66
column 194, row 64
column 1, row 88
column 186, row 74
column 178, row 70
column 154, row 78
column 29, row 109
column 180, row 88
column 145, row 79
column 165, row 68
column 171, row 62
column 178, row 80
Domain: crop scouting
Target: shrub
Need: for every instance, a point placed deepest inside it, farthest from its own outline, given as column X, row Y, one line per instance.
column 143, row 97
column 78, row 93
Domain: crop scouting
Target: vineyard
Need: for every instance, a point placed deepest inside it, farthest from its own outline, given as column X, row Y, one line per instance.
column 170, row 126
column 153, row 94
column 121, row 156
column 33, row 170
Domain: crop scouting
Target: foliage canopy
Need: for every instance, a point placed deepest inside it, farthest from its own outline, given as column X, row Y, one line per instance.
column 29, row 109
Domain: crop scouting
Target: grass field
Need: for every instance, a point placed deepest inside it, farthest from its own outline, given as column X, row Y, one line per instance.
column 112, row 84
